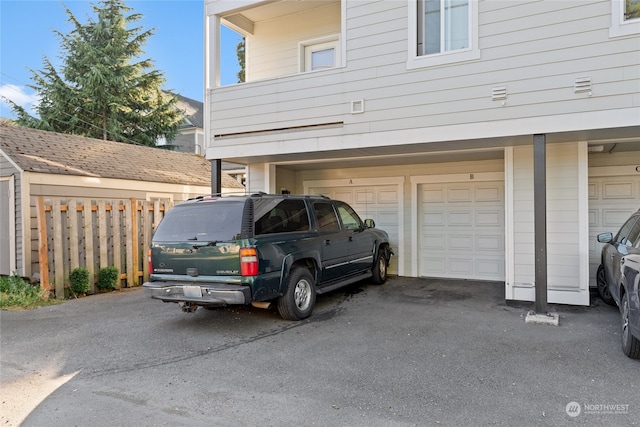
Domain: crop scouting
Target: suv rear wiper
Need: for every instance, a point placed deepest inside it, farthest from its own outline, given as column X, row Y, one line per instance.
column 211, row 243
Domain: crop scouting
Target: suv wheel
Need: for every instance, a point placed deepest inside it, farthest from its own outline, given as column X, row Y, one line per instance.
column 380, row 268
column 300, row 297
column 630, row 344
column 603, row 287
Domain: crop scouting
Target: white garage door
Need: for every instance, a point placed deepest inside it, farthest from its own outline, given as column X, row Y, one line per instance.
column 379, row 203
column 462, row 230
column 612, row 200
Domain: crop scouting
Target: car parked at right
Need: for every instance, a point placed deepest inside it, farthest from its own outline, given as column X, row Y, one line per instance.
column 618, row 280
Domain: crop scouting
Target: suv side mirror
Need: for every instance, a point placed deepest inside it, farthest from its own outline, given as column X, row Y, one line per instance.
column 605, row 237
column 369, row 223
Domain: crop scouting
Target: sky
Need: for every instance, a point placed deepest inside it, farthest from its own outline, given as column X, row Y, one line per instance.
column 176, row 46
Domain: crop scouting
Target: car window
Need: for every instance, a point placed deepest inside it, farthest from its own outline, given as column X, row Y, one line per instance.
column 628, row 232
column 634, row 234
column 206, row 221
column 349, row 217
column 280, row 216
column 326, row 217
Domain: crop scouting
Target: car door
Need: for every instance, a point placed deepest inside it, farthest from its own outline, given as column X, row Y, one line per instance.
column 359, row 239
column 613, row 252
column 333, row 241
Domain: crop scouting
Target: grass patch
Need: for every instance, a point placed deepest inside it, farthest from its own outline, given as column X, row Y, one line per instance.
column 17, row 294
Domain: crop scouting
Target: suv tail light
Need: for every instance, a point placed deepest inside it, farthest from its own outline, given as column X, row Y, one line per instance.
column 248, row 262
column 150, row 262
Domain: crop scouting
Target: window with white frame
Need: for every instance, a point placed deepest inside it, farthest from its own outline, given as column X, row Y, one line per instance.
column 442, row 31
column 443, row 26
column 320, row 54
column 625, row 17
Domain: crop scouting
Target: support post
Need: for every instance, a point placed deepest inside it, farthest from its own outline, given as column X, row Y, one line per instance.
column 540, row 220
column 216, row 176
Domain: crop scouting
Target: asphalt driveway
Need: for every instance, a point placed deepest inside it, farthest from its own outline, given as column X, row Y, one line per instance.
column 410, row 352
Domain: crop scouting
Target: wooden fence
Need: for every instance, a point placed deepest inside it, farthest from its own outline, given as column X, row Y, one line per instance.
column 95, row 234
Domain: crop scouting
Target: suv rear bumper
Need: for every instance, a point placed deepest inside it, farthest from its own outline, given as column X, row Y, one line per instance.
column 214, row 294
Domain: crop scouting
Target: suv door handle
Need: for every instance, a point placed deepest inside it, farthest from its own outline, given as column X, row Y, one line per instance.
column 351, row 238
column 327, row 242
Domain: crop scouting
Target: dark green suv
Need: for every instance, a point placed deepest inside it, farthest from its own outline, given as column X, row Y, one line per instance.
column 261, row 249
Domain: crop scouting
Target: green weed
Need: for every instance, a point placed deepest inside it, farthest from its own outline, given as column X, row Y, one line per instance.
column 16, row 294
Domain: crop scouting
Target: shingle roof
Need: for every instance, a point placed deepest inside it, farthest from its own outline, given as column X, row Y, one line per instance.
column 55, row 153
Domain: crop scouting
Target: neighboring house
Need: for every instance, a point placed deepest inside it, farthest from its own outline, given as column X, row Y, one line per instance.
column 191, row 136
column 191, row 131
column 422, row 114
column 38, row 163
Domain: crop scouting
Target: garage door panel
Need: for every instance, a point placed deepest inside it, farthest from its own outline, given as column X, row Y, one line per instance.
column 460, row 243
column 490, row 243
column 489, row 219
column 434, row 219
column 434, row 242
column 435, row 195
column 435, row 265
column 618, row 190
column 455, row 195
column 460, row 219
column 614, row 218
column 490, row 267
column 469, row 217
column 390, row 197
column 460, row 268
column 592, row 191
column 489, row 194
column 364, row 197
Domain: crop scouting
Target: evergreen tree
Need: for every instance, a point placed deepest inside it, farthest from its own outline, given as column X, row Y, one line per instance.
column 104, row 90
column 240, row 55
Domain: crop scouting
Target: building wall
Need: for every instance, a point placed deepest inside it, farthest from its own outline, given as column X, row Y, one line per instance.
column 567, row 223
column 274, row 46
column 536, row 49
column 7, row 169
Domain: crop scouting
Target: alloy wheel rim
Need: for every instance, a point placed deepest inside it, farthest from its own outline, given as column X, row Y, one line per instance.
column 625, row 321
column 302, row 294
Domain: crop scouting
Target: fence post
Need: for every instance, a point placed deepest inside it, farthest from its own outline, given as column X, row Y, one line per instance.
column 88, row 243
column 58, row 248
column 43, row 245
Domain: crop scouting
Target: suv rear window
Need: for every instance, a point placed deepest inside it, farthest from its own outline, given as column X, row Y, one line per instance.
column 206, row 221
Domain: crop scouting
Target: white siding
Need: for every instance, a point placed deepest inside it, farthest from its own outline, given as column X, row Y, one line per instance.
column 566, row 260
column 272, row 50
column 534, row 48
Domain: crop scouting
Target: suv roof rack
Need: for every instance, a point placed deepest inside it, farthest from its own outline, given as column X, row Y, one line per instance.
column 258, row 194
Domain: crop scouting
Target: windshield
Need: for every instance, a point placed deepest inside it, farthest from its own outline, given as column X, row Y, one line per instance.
column 206, row 222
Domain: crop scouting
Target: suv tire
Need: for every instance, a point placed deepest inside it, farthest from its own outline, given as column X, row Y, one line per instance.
column 300, row 296
column 379, row 268
column 603, row 287
column 630, row 344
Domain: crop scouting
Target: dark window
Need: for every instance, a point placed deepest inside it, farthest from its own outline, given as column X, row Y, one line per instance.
column 205, row 221
column 280, row 216
column 326, row 217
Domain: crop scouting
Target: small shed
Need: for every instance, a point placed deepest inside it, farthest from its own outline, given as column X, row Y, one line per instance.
column 38, row 165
